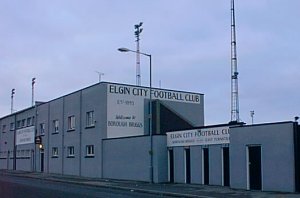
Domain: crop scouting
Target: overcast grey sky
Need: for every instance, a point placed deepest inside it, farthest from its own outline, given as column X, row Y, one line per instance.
column 63, row 42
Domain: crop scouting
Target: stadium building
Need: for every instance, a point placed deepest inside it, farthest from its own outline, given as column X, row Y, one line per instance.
column 117, row 131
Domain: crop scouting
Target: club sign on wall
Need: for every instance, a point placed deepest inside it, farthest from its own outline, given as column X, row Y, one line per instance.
column 126, row 107
column 205, row 136
column 25, row 135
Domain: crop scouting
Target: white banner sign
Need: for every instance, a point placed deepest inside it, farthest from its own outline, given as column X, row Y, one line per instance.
column 207, row 136
column 125, row 111
column 25, row 135
column 160, row 94
column 126, row 107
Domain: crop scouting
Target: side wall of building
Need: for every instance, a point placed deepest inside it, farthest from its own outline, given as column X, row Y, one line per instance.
column 55, row 111
column 64, row 138
column 196, row 164
column 179, row 175
column 277, row 155
column 93, row 99
column 160, row 159
column 79, row 150
column 6, row 143
column 43, row 118
column 215, row 165
column 24, row 152
column 127, row 158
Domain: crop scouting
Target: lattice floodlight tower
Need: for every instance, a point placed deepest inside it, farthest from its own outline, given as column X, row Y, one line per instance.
column 137, row 32
column 234, row 72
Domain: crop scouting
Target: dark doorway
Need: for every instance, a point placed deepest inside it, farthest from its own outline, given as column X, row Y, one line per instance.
column 42, row 160
column 226, row 175
column 171, row 166
column 205, row 164
column 187, row 165
column 254, row 153
column 297, row 155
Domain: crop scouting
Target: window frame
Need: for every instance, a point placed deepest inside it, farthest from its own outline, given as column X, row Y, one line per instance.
column 90, row 119
column 18, row 124
column 29, row 121
column 54, row 152
column 4, row 128
column 12, row 126
column 42, row 128
column 71, row 151
column 55, row 126
column 71, row 123
column 90, row 151
column 23, row 123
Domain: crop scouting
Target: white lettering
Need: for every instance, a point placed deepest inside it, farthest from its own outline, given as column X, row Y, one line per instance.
column 207, row 136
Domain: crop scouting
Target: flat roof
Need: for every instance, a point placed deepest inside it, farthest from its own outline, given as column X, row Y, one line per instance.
column 96, row 84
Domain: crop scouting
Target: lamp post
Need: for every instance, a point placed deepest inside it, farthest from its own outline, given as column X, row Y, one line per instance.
column 13, row 91
column 150, row 107
column 100, row 74
column 252, row 115
column 32, row 87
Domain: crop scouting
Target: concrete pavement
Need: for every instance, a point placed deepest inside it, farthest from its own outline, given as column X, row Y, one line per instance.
column 173, row 190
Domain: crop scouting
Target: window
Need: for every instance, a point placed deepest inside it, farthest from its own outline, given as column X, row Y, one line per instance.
column 55, row 126
column 71, row 152
column 90, row 150
column 3, row 128
column 23, row 122
column 27, row 153
column 90, row 119
column 42, row 128
column 12, row 126
column 19, row 124
column 29, row 121
column 3, row 155
column 19, row 153
column 71, row 123
column 54, row 152
column 22, row 153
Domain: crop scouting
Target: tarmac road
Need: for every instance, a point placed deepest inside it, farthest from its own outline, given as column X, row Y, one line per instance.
column 23, row 184
column 18, row 187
